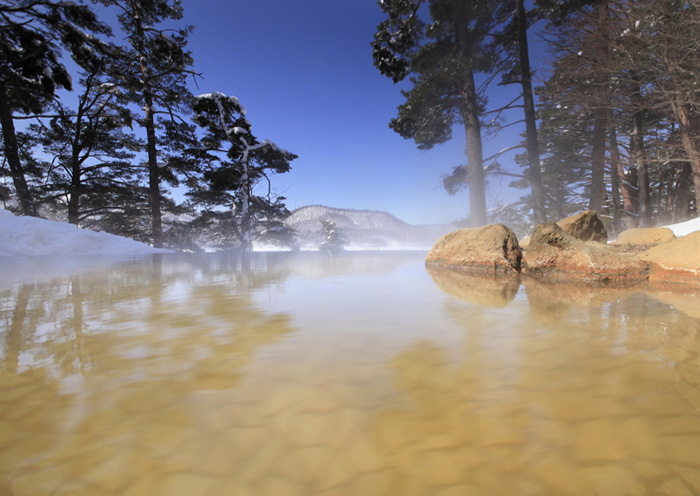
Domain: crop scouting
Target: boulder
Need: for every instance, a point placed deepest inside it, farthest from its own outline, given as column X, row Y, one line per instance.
column 675, row 261
column 585, row 226
column 560, row 257
column 647, row 236
column 491, row 249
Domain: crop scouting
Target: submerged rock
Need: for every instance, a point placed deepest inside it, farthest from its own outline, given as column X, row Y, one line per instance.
column 560, row 257
column 646, row 236
column 585, row 226
column 675, row 261
column 491, row 249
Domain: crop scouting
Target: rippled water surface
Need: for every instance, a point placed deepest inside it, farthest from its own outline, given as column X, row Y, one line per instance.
column 363, row 374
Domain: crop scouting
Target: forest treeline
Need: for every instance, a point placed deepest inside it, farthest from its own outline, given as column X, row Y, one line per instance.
column 107, row 154
column 99, row 126
column 616, row 127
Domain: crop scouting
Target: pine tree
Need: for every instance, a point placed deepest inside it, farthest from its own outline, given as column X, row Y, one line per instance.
column 667, row 36
column 153, row 68
column 33, row 36
column 235, row 162
column 332, row 240
column 440, row 56
column 92, row 171
column 514, row 42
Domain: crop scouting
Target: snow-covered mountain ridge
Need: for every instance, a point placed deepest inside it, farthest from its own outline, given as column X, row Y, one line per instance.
column 363, row 229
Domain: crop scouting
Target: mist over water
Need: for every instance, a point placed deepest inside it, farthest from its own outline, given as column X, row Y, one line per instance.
column 362, row 373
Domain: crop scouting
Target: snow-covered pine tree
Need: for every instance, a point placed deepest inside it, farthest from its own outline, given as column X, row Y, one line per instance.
column 332, row 239
column 235, row 163
column 33, row 36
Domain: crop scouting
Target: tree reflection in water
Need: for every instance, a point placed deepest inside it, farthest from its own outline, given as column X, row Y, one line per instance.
column 119, row 357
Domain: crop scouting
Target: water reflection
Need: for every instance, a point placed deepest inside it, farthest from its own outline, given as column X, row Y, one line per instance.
column 293, row 374
column 114, row 359
column 486, row 291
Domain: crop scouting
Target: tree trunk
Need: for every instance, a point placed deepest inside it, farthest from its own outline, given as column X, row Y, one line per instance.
column 601, row 111
column 533, row 152
column 598, row 160
column 475, row 159
column 470, row 116
column 615, row 179
column 12, row 155
column 628, row 190
column 151, row 145
column 74, row 199
column 639, row 157
column 76, row 185
column 246, row 243
column 690, row 148
column 153, row 173
column 682, row 194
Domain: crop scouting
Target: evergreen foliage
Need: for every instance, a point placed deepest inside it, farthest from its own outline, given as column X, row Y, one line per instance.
column 236, row 169
column 439, row 51
column 332, row 239
column 152, row 70
column 91, row 169
column 33, row 36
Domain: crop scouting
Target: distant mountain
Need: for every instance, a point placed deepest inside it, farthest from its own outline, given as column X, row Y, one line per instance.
column 363, row 229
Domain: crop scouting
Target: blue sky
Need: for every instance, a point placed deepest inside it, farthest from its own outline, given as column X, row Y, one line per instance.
column 303, row 70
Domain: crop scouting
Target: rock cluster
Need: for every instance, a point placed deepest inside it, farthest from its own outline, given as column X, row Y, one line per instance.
column 554, row 254
column 574, row 249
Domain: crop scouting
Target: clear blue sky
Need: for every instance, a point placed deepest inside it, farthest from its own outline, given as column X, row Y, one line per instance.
column 303, row 70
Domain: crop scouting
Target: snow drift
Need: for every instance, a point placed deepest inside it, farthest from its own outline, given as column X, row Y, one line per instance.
column 30, row 236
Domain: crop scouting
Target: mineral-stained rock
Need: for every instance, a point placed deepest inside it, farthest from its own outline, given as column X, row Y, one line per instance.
column 675, row 261
column 560, row 257
column 585, row 226
column 648, row 236
column 483, row 290
column 491, row 249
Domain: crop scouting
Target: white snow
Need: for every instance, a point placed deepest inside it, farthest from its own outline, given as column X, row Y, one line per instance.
column 29, row 236
column 683, row 228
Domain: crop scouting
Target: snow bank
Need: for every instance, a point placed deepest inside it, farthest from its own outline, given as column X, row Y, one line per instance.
column 683, row 228
column 29, row 236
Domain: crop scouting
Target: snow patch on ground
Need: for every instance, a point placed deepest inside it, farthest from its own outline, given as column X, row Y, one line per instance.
column 683, row 228
column 30, row 236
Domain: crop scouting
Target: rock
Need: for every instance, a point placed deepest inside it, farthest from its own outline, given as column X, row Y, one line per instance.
column 645, row 236
column 491, row 249
column 585, row 226
column 525, row 242
column 675, row 261
column 561, row 257
column 485, row 291
column 648, row 236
